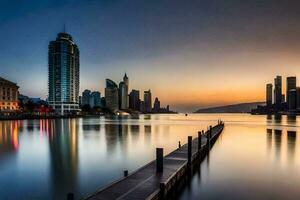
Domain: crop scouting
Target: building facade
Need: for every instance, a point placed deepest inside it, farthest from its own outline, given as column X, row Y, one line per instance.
column 111, row 95
column 269, row 91
column 290, row 85
column 292, row 97
column 148, row 101
column 298, row 97
column 63, row 74
column 123, row 93
column 134, row 100
column 156, row 106
column 8, row 96
column 278, row 91
column 95, row 100
column 85, row 98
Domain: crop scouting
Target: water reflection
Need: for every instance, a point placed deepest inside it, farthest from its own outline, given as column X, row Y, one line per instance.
column 277, row 143
column 9, row 137
column 269, row 140
column 291, row 140
column 63, row 145
column 270, row 160
column 81, row 155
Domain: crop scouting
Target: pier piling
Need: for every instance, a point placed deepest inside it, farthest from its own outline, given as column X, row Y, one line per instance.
column 199, row 140
column 189, row 149
column 159, row 160
column 125, row 173
column 70, row 196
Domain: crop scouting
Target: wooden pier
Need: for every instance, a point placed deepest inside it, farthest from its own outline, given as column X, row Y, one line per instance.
column 156, row 179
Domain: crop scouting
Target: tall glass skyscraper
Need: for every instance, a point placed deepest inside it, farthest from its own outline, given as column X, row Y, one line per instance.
column 111, row 95
column 63, row 69
column 123, row 93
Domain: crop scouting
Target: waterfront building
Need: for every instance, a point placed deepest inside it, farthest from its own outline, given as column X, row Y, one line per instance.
column 278, row 91
column 148, row 101
column 8, row 96
column 111, row 95
column 269, row 91
column 95, row 99
column 156, row 106
column 134, row 100
column 80, row 101
column 142, row 106
column 290, row 85
column 123, row 92
column 23, row 99
column 92, row 99
column 298, row 97
column 86, row 97
column 292, row 97
column 63, row 74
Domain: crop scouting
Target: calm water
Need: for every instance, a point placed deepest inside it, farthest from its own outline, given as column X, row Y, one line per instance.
column 254, row 158
column 45, row 159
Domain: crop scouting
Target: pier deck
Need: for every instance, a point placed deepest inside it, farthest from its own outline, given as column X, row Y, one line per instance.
column 146, row 183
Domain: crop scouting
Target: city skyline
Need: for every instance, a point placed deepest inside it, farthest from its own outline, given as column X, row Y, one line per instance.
column 189, row 50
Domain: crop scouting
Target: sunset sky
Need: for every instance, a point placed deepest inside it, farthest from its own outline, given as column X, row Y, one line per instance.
column 191, row 54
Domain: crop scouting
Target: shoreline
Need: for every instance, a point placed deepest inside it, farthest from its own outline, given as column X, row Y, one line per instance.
column 33, row 117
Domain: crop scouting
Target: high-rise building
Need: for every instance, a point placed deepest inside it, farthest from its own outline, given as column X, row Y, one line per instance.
column 269, row 91
column 95, row 100
column 123, row 92
column 80, row 101
column 8, row 96
column 126, row 97
column 298, row 97
column 148, row 101
column 278, row 91
column 156, row 106
column 292, row 97
column 111, row 95
column 290, row 85
column 142, row 106
column 63, row 74
column 85, row 97
column 134, row 100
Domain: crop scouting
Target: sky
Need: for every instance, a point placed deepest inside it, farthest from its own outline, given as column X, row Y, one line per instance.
column 191, row 54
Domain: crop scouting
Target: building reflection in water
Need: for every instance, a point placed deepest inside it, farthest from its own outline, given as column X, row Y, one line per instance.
column 115, row 134
column 277, row 143
column 30, row 125
column 135, row 132
column 269, row 140
column 147, row 135
column 63, row 145
column 9, row 138
column 86, row 126
column 291, row 141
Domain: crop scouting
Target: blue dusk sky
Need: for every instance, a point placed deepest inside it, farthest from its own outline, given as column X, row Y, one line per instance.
column 191, row 54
